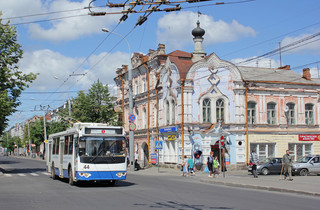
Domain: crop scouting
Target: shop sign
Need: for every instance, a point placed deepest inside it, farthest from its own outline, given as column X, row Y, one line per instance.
column 309, row 137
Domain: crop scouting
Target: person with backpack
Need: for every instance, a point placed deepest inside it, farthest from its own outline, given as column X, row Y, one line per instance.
column 215, row 166
column 254, row 161
column 210, row 164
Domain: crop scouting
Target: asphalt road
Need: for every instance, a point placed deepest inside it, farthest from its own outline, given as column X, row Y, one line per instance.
column 25, row 185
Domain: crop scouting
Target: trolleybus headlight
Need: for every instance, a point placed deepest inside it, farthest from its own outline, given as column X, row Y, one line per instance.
column 120, row 174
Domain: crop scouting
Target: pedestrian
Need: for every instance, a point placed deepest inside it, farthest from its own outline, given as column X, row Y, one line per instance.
column 287, row 165
column 210, row 164
column 190, row 166
column 185, row 166
column 215, row 166
column 254, row 161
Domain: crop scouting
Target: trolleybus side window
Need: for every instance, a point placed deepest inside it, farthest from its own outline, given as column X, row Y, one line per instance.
column 70, row 144
column 66, row 144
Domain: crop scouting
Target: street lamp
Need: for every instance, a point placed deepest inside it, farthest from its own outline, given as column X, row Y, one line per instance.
column 131, row 133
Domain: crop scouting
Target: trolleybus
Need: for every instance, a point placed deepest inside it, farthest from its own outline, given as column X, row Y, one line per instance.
column 88, row 152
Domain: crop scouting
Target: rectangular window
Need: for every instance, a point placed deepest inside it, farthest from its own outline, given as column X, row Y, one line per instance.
column 299, row 150
column 309, row 114
column 271, row 113
column 251, row 112
column 66, row 142
column 70, row 145
column 263, row 150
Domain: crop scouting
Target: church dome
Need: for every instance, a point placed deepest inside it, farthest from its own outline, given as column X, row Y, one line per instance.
column 198, row 32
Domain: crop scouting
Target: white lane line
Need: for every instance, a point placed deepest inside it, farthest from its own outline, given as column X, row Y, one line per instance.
column 46, row 173
column 8, row 175
column 34, row 174
column 21, row 175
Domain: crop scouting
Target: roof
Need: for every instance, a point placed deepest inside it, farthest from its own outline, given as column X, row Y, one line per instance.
column 273, row 75
column 182, row 60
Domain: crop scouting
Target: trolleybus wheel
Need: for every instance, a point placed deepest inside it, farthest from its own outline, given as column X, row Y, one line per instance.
column 71, row 182
column 53, row 175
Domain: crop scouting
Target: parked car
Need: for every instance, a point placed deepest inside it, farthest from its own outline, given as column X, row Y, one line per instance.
column 268, row 166
column 306, row 165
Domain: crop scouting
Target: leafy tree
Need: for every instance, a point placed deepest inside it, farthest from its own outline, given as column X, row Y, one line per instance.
column 10, row 142
column 96, row 106
column 37, row 130
column 12, row 81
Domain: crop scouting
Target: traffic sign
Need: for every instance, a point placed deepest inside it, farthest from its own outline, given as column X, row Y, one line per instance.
column 132, row 118
column 158, row 144
column 222, row 140
column 171, row 137
column 132, row 126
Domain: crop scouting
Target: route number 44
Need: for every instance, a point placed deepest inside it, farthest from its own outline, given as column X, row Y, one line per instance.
column 86, row 167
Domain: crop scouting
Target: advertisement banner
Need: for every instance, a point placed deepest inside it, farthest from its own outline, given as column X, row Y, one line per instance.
column 309, row 137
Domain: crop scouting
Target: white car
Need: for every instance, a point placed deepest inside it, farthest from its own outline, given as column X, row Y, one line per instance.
column 306, row 165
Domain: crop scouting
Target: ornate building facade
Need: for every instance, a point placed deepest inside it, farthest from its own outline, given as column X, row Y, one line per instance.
column 189, row 100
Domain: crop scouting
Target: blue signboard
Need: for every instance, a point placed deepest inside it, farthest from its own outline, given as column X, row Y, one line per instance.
column 158, row 144
column 169, row 129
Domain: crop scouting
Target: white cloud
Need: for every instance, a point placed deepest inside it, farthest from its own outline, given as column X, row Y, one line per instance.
column 71, row 28
column 19, row 8
column 54, row 68
column 304, row 47
column 172, row 29
column 61, row 29
column 315, row 73
column 261, row 62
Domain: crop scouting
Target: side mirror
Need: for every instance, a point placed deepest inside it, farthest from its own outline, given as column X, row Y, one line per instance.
column 312, row 162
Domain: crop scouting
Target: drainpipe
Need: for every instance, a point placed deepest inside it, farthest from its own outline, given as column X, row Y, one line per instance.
column 247, row 126
column 148, row 112
column 182, row 119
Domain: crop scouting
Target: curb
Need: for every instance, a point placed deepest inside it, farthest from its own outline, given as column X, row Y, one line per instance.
column 274, row 189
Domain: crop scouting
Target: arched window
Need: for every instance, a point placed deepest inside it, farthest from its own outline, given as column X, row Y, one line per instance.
column 167, row 113
column 173, row 108
column 144, row 85
column 309, row 114
column 155, row 116
column 144, row 118
column 219, row 110
column 206, row 110
column 251, row 112
column 136, row 87
column 291, row 115
column 271, row 113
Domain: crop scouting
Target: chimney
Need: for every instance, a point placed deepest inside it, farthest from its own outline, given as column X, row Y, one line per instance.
column 162, row 49
column 306, row 74
column 286, row 67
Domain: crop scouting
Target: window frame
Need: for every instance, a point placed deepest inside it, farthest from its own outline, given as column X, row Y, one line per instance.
column 272, row 120
column 251, row 112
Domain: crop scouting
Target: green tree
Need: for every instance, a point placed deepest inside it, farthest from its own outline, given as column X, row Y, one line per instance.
column 37, row 130
column 96, row 106
column 12, row 81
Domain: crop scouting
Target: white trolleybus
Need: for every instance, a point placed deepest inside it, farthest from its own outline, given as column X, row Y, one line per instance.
column 88, row 152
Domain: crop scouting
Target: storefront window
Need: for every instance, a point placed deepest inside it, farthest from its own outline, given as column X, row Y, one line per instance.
column 297, row 151
column 263, row 150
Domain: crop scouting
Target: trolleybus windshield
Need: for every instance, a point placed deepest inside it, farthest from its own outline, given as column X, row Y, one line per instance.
column 101, row 146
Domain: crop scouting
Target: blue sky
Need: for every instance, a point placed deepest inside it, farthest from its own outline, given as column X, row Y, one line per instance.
column 234, row 32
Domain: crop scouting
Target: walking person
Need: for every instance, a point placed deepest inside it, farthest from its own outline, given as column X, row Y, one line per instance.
column 287, row 165
column 185, row 166
column 210, row 164
column 254, row 161
column 190, row 166
column 216, row 166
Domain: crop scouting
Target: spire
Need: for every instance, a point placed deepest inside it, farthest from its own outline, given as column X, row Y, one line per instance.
column 198, row 52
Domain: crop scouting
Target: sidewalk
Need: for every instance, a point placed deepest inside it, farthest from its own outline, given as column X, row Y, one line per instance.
column 306, row 185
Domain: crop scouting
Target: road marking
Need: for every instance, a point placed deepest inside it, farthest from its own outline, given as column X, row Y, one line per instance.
column 8, row 175
column 46, row 173
column 34, row 174
column 21, row 174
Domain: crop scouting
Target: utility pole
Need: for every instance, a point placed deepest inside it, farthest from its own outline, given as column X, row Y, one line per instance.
column 280, row 53
column 29, row 139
